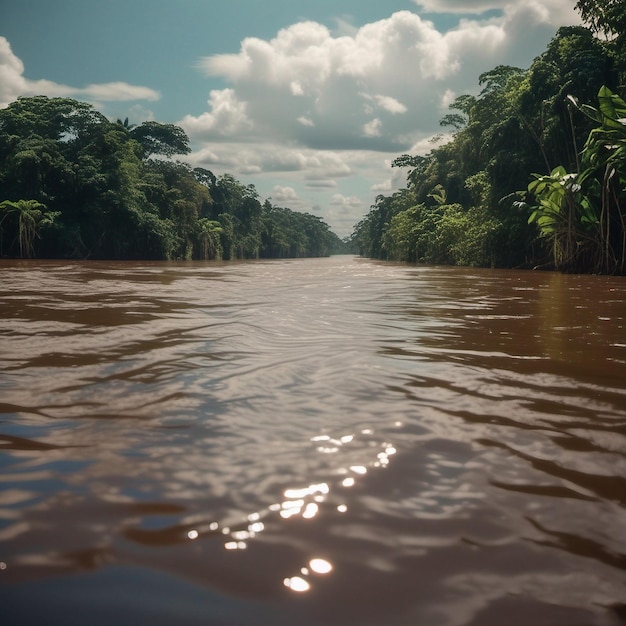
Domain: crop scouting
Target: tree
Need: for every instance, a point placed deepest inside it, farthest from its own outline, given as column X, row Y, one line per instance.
column 28, row 220
column 555, row 213
column 209, row 232
column 460, row 120
column 583, row 214
column 162, row 139
column 604, row 16
column 608, row 17
column 96, row 183
column 126, row 125
column 603, row 177
column 61, row 119
column 180, row 199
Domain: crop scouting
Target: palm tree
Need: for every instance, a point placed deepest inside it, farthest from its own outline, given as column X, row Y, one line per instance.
column 28, row 219
column 125, row 124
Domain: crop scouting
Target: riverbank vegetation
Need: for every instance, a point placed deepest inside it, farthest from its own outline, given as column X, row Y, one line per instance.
column 76, row 185
column 534, row 174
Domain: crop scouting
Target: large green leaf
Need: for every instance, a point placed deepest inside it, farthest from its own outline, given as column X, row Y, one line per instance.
column 613, row 110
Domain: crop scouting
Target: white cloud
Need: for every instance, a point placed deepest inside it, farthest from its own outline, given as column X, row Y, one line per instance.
column 447, row 98
column 12, row 81
column 271, row 158
column 297, row 50
column 115, row 92
column 383, row 86
column 343, row 212
column 13, row 84
column 306, row 78
column 460, row 6
column 228, row 116
column 138, row 114
column 338, row 200
column 427, row 144
column 390, row 104
column 206, row 157
column 373, row 128
column 385, row 103
column 383, row 187
column 306, row 121
column 555, row 12
column 285, row 195
column 296, row 88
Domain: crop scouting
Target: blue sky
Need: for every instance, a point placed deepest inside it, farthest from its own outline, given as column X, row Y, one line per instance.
column 307, row 100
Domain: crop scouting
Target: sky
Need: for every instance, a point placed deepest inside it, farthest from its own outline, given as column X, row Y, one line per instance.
column 308, row 100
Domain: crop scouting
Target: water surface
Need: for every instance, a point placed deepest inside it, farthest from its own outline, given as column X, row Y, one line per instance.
column 331, row 441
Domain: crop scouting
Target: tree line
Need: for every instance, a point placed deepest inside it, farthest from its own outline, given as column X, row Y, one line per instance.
column 535, row 172
column 74, row 184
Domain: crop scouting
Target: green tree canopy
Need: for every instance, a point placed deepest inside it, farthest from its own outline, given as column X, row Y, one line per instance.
column 604, row 16
column 95, row 191
column 162, row 139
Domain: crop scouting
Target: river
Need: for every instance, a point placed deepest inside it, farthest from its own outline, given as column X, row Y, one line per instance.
column 310, row 442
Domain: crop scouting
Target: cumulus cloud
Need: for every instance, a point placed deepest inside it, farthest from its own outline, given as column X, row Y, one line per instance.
column 270, row 158
column 343, row 212
column 386, row 103
column 390, row 104
column 373, row 128
column 345, row 202
column 324, row 91
column 285, row 195
column 383, row 187
column 227, row 117
column 13, row 84
column 383, row 86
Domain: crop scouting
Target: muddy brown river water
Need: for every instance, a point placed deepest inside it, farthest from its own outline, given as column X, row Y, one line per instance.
column 311, row 442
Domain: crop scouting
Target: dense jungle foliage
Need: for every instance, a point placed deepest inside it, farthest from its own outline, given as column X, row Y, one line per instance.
column 74, row 184
column 535, row 171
